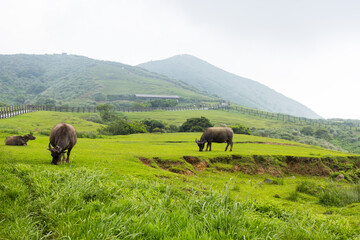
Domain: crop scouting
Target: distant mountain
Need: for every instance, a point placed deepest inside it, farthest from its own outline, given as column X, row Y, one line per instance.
column 231, row 87
column 77, row 80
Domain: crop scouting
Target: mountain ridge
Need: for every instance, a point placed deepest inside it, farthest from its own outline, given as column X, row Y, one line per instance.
column 229, row 86
column 74, row 80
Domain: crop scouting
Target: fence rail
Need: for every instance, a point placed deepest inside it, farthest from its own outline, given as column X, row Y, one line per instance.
column 7, row 112
column 12, row 111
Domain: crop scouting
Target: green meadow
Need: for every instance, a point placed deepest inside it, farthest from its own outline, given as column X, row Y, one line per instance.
column 159, row 186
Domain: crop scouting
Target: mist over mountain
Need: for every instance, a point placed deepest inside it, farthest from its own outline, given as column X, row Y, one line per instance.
column 228, row 86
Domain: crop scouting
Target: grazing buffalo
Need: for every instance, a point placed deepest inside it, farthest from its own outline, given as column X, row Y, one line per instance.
column 218, row 135
column 19, row 140
column 62, row 137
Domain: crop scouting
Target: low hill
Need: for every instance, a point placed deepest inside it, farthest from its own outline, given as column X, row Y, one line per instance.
column 77, row 80
column 231, row 87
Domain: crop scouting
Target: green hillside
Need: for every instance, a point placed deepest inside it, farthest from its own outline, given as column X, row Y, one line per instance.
column 231, row 87
column 159, row 186
column 76, row 80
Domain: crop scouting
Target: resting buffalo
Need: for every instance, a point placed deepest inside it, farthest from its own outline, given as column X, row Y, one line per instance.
column 218, row 135
column 19, row 140
column 62, row 137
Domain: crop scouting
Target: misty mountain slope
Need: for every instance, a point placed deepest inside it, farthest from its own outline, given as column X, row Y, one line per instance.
column 70, row 79
column 231, row 87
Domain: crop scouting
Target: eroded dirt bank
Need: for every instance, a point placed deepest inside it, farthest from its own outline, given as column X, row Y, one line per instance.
column 258, row 164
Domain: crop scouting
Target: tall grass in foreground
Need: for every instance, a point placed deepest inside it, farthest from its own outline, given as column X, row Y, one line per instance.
column 85, row 204
column 339, row 196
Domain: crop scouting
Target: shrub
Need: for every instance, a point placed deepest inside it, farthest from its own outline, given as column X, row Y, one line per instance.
column 323, row 134
column 163, row 103
column 308, row 188
column 172, row 128
column 122, row 127
column 278, row 181
column 294, row 196
column 240, row 129
column 91, row 135
column 94, row 118
column 309, row 131
column 195, row 125
column 106, row 112
column 151, row 125
column 158, row 130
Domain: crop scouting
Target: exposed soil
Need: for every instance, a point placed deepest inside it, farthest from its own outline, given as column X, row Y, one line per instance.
column 199, row 165
column 192, row 160
column 145, row 161
column 258, row 164
column 270, row 143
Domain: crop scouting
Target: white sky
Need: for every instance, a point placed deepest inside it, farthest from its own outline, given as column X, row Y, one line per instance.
column 308, row 50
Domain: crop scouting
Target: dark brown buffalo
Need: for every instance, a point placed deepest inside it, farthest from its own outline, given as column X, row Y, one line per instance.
column 19, row 140
column 62, row 137
column 218, row 135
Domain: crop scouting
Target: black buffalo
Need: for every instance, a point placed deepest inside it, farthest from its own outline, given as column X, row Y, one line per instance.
column 62, row 137
column 19, row 140
column 218, row 135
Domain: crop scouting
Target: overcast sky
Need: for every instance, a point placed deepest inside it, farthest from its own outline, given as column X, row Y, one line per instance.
column 308, row 50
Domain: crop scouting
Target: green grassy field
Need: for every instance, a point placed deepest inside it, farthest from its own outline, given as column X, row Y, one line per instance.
column 216, row 117
column 107, row 192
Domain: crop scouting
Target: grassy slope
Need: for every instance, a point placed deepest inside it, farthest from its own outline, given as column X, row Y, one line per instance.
column 233, row 88
column 216, row 117
column 344, row 138
column 146, row 200
column 71, row 79
column 43, row 121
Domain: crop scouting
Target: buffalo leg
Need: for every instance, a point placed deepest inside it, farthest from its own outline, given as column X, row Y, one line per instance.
column 62, row 158
column 68, row 156
column 210, row 146
column 227, row 147
column 231, row 146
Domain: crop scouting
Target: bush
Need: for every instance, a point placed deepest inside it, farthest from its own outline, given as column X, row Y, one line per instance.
column 163, row 103
column 240, row 129
column 195, row 125
column 309, row 131
column 323, row 134
column 122, row 127
column 151, row 125
column 294, row 196
column 106, row 112
column 158, row 130
column 278, row 181
column 172, row 128
column 308, row 188
column 91, row 135
column 94, row 118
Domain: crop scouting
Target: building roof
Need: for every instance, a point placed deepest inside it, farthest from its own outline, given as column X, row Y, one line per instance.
column 156, row 96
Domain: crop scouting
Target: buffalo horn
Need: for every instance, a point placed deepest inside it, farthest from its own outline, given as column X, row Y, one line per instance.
column 50, row 147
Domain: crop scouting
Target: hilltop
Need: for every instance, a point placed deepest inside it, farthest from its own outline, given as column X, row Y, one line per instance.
column 77, row 80
column 231, row 87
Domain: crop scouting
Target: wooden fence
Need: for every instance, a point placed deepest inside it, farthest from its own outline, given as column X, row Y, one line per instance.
column 6, row 112
column 344, row 124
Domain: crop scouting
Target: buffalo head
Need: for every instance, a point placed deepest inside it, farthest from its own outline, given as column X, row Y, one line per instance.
column 29, row 137
column 201, row 144
column 56, row 154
